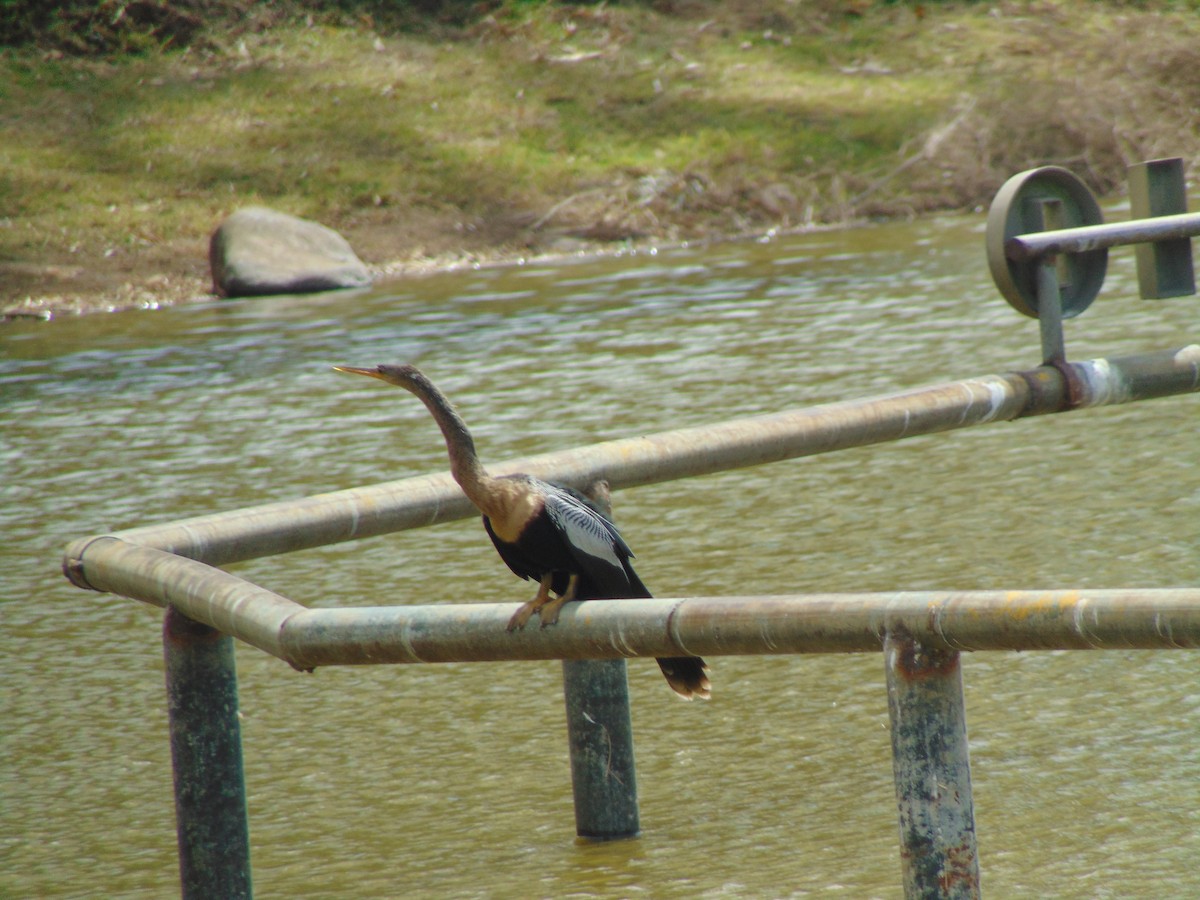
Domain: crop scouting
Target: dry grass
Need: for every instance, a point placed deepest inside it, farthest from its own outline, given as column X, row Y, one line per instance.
column 1124, row 89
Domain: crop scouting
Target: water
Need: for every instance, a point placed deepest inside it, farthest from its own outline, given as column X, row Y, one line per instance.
column 453, row 780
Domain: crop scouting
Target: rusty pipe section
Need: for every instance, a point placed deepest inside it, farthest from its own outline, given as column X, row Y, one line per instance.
column 728, row 626
column 629, row 462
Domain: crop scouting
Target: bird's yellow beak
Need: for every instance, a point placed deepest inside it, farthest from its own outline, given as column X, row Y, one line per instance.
column 355, row 370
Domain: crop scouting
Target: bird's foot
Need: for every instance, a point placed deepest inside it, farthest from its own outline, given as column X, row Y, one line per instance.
column 540, row 599
column 549, row 612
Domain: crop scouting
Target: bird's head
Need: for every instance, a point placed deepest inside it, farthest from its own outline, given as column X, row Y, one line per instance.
column 405, row 376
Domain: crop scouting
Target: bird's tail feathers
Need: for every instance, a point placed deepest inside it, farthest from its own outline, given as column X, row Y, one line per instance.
column 687, row 676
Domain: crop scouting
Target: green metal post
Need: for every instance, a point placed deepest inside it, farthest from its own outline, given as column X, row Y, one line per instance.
column 933, row 775
column 1053, row 273
column 206, row 754
column 600, row 735
column 1050, row 315
column 600, row 731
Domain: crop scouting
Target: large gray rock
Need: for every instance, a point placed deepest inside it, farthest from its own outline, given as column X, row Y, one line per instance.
column 258, row 251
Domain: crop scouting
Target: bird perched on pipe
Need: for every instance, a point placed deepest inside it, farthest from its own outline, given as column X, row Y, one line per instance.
column 546, row 532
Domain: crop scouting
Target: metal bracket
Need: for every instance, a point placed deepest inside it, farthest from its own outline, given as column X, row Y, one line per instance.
column 1049, row 287
column 1158, row 188
column 1047, row 244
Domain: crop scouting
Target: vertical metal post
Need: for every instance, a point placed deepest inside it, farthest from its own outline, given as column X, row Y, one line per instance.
column 600, row 736
column 1050, row 315
column 600, row 731
column 933, row 775
column 206, row 754
column 1052, row 273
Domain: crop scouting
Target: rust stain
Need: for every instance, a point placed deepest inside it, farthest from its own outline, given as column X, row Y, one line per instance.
column 915, row 661
column 1022, row 606
column 1076, row 391
column 961, row 871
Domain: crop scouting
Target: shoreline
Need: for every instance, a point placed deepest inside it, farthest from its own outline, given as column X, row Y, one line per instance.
column 149, row 288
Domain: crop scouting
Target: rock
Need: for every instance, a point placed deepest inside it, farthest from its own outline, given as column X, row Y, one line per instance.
column 258, row 251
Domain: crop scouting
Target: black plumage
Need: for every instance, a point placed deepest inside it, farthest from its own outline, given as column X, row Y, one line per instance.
column 546, row 532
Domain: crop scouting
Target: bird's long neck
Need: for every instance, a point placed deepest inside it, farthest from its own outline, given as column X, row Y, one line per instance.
column 480, row 487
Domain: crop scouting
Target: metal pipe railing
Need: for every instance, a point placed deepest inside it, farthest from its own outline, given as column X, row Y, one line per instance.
column 394, row 506
column 612, row 629
column 921, row 634
column 206, row 594
column 729, row 626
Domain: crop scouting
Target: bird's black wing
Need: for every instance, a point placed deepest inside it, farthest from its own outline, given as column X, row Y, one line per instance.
column 603, row 558
column 597, row 547
column 520, row 564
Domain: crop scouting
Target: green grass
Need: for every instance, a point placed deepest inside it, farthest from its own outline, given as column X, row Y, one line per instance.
column 498, row 124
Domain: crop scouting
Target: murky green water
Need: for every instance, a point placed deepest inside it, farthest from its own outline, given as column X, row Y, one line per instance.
column 453, row 780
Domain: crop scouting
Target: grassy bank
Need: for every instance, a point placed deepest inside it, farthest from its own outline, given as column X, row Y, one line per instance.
column 544, row 127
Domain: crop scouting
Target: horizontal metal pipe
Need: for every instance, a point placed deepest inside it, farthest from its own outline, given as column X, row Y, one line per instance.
column 1025, row 247
column 608, row 629
column 315, row 521
column 818, row 623
column 394, row 506
column 205, row 594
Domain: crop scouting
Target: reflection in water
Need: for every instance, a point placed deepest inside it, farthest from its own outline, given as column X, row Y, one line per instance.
column 453, row 780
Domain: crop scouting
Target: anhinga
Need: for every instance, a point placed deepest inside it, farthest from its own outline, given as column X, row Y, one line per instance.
column 543, row 531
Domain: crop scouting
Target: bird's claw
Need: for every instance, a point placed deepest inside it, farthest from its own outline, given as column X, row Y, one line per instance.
column 551, row 608
column 521, row 617
column 546, row 607
column 549, row 612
